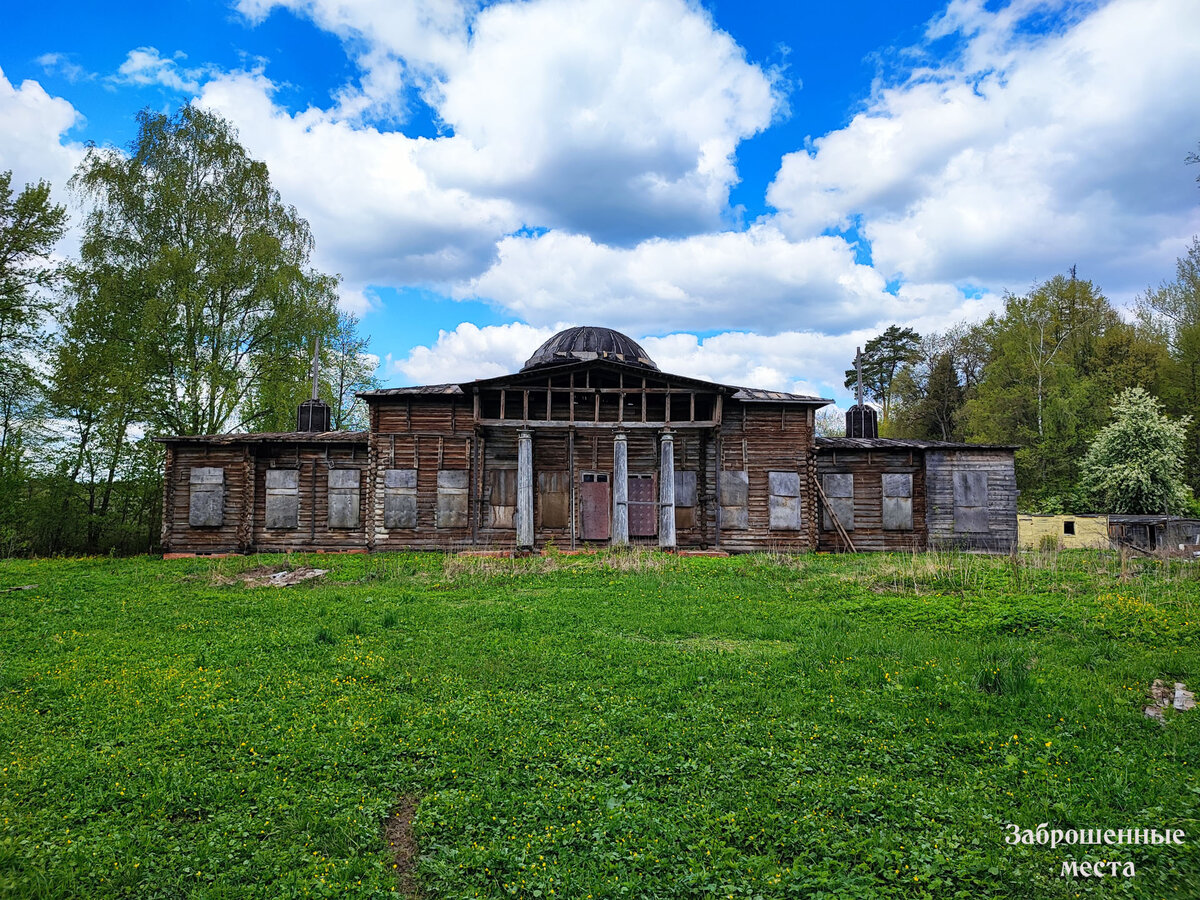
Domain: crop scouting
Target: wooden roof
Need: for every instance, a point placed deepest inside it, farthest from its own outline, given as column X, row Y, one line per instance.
column 846, row 443
column 269, row 437
column 420, row 390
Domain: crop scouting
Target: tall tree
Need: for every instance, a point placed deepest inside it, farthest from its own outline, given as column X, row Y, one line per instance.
column 1171, row 312
column 882, row 357
column 1135, row 464
column 1056, row 357
column 187, row 228
column 30, row 226
column 938, row 411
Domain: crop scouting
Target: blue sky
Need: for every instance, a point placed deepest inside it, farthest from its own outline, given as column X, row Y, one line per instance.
column 750, row 188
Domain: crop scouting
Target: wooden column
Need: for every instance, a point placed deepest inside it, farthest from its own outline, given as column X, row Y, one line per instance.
column 620, row 490
column 666, row 493
column 524, row 489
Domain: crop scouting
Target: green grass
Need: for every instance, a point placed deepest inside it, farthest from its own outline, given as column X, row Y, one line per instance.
column 619, row 726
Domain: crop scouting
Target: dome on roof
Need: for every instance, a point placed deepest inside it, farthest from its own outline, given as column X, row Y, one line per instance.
column 588, row 342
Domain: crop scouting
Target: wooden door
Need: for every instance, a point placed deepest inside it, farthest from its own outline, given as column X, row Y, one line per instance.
column 643, row 506
column 595, row 505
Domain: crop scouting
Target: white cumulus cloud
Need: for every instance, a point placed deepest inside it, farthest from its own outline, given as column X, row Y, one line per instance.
column 618, row 118
column 755, row 279
column 377, row 215
column 33, row 135
column 469, row 352
column 1028, row 151
column 146, row 66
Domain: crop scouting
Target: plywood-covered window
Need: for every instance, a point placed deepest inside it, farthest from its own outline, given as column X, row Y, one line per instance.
column 839, row 495
column 784, row 501
column 897, row 501
column 554, row 499
column 685, row 499
column 283, row 498
column 344, row 497
column 734, row 491
column 452, row 498
column 970, row 501
column 400, row 498
column 502, row 497
column 206, row 505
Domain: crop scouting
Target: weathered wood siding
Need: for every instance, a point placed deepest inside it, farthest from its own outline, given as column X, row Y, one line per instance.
column 312, row 463
column 431, row 435
column 178, row 536
column 868, row 468
column 945, row 528
column 760, row 438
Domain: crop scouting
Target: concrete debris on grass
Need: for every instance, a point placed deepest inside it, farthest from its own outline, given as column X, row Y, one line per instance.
column 1163, row 698
column 264, row 576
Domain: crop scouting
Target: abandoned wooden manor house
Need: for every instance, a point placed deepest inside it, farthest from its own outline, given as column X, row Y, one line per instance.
column 589, row 444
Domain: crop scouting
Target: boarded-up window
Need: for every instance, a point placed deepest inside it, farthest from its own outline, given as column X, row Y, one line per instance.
column 839, row 494
column 685, row 499
column 206, row 508
column 735, row 496
column 970, row 501
column 502, row 497
column 452, row 498
column 554, row 499
column 400, row 498
column 283, row 498
column 784, row 501
column 897, row 501
column 343, row 498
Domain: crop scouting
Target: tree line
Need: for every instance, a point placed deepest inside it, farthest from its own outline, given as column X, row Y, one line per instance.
column 1059, row 373
column 191, row 307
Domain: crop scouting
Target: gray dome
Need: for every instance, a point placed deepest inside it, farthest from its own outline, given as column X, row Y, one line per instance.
column 588, row 342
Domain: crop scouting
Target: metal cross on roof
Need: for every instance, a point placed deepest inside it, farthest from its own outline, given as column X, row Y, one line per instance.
column 858, row 371
column 316, row 365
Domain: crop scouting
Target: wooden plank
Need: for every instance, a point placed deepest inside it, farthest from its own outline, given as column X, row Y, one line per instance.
column 595, row 511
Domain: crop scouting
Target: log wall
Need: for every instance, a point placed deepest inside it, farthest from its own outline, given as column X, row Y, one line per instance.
column 178, row 536
column 940, row 469
column 759, row 438
column 312, row 531
column 432, row 461
column 428, row 434
column 868, row 468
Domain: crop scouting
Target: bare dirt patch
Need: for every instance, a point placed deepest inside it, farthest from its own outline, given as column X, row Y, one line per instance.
column 398, row 830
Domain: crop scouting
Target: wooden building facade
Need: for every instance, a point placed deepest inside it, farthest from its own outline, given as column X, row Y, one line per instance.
column 891, row 494
column 588, row 445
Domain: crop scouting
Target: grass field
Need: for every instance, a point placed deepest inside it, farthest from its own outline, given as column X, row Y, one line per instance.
column 613, row 726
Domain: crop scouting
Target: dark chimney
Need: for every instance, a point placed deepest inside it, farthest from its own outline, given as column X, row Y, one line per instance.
column 862, row 421
column 313, row 414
